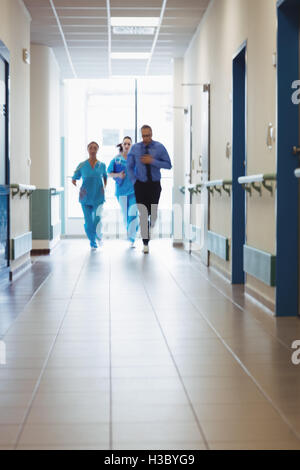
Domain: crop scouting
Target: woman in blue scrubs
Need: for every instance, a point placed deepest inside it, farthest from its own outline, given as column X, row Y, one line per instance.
column 117, row 169
column 91, row 195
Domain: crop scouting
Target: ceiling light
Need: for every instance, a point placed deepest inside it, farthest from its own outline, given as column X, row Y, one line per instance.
column 132, row 30
column 130, row 55
column 134, row 21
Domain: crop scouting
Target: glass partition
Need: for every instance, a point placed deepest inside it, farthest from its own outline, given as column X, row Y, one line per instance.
column 105, row 111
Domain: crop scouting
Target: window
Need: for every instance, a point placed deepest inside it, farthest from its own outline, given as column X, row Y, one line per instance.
column 104, row 111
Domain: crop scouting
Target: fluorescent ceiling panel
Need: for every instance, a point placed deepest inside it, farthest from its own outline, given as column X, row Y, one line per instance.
column 130, row 55
column 134, row 21
column 130, row 30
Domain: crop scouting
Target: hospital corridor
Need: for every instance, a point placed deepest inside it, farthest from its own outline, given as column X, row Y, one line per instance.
column 149, row 226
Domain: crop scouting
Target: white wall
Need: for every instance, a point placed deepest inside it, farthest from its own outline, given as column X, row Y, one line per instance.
column 45, row 118
column 178, row 146
column 15, row 33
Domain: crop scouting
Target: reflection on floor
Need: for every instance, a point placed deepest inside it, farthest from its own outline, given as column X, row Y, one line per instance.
column 120, row 350
column 13, row 296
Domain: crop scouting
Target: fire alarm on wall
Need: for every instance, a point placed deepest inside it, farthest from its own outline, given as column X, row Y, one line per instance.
column 26, row 56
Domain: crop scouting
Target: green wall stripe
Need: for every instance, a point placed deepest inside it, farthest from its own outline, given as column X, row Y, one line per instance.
column 21, row 245
column 260, row 264
column 218, row 245
column 41, row 214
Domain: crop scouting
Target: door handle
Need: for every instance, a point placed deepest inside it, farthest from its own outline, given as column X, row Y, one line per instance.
column 296, row 150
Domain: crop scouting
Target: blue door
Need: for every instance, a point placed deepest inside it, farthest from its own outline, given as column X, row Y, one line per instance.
column 288, row 137
column 4, row 173
column 239, row 162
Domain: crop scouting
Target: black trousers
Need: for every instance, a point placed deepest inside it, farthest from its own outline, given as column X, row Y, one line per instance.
column 147, row 198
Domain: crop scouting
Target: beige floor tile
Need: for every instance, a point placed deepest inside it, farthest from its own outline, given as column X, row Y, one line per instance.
column 23, row 363
column 159, row 432
column 10, row 399
column 199, row 358
column 140, row 347
column 78, row 362
column 70, row 414
column 82, row 373
column 8, row 434
column 294, row 420
column 203, row 346
column 154, row 397
column 255, row 445
column 131, row 413
column 26, row 353
column 16, row 386
column 12, row 415
column 14, row 340
column 212, row 370
column 146, row 383
column 142, row 360
column 236, row 412
column 65, row 434
column 64, row 447
column 273, row 430
column 220, row 383
column 7, row 373
column 81, row 354
column 159, row 445
column 235, row 395
column 28, row 328
column 75, row 399
column 67, row 384
column 155, row 371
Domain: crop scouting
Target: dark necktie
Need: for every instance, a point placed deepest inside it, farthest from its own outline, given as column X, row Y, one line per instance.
column 148, row 167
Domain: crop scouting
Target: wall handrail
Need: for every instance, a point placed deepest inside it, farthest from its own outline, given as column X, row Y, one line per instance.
column 192, row 188
column 22, row 189
column 257, row 181
column 218, row 185
column 55, row 191
column 297, row 173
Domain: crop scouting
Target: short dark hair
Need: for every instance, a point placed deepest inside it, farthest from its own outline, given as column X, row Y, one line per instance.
column 93, row 143
column 145, row 126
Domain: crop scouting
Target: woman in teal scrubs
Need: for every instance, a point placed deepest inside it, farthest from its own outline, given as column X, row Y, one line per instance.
column 117, row 169
column 91, row 195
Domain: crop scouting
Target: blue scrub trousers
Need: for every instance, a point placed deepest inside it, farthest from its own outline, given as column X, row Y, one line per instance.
column 92, row 218
column 130, row 215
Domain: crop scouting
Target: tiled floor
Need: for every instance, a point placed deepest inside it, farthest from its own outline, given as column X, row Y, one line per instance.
column 118, row 350
column 13, row 296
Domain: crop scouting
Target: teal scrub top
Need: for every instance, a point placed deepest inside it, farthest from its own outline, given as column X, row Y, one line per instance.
column 92, row 189
column 123, row 187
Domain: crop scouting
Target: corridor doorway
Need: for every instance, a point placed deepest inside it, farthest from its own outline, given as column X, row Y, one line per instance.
column 288, row 159
column 239, row 163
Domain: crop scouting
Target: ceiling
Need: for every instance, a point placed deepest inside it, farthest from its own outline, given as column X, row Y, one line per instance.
column 80, row 34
